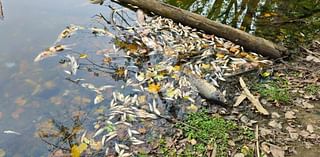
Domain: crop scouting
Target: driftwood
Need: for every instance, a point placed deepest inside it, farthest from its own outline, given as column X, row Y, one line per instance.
column 248, row 41
column 255, row 102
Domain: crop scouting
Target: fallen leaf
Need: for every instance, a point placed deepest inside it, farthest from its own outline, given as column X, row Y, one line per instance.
column 275, row 115
column 310, row 128
column 192, row 108
column 304, row 134
column 276, row 151
column 77, row 150
column 16, row 113
column 265, row 131
column 83, row 56
column 154, row 88
column 275, row 124
column 290, row 115
column 21, row 101
column 265, row 147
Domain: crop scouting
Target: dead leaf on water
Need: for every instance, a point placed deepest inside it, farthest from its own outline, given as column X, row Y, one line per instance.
column 16, row 113
column 49, row 84
column 56, row 100
column 21, row 101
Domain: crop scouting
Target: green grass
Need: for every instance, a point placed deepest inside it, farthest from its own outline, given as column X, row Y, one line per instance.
column 275, row 90
column 312, row 89
column 207, row 130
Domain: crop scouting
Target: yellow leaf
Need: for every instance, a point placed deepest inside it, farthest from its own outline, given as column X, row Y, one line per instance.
column 154, row 88
column 77, row 150
column 82, row 56
column 205, row 66
column 82, row 147
column 192, row 108
column 219, row 55
column 170, row 93
column 266, row 74
column 177, row 68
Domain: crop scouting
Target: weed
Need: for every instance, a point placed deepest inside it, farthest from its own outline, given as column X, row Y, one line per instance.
column 276, row 89
column 312, row 89
column 207, row 130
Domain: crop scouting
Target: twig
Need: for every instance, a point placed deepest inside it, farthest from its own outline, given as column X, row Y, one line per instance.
column 255, row 102
column 257, row 140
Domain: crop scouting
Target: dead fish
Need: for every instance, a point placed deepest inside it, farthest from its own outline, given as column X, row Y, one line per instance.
column 50, row 52
column 96, row 1
column 207, row 90
column 11, row 132
column 140, row 17
column 68, row 32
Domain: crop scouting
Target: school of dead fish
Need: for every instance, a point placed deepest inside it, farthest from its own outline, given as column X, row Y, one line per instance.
column 190, row 61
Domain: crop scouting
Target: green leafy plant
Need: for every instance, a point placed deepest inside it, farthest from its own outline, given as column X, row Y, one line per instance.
column 208, row 130
column 276, row 90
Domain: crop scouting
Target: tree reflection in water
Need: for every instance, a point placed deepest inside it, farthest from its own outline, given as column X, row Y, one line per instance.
column 273, row 19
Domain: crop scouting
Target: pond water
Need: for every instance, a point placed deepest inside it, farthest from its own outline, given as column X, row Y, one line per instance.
column 28, row 90
column 34, row 92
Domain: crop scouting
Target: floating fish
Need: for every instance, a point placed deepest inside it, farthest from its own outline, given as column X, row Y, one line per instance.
column 11, row 132
column 50, row 52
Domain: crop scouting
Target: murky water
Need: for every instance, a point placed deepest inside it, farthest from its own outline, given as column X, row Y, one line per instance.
column 35, row 92
column 31, row 92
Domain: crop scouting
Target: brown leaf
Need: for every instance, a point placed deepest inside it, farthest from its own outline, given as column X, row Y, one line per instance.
column 21, row 101
column 275, row 124
column 276, row 151
column 290, row 115
column 310, row 128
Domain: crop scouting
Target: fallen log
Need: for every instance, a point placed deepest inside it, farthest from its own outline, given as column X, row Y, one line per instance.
column 249, row 42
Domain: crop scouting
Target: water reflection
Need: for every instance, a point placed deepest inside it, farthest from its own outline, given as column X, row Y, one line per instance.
column 32, row 93
column 283, row 21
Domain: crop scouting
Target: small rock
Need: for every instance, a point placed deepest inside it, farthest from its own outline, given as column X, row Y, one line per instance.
column 307, row 105
column 239, row 155
column 310, row 128
column 275, row 124
column 275, row 115
column 290, row 115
